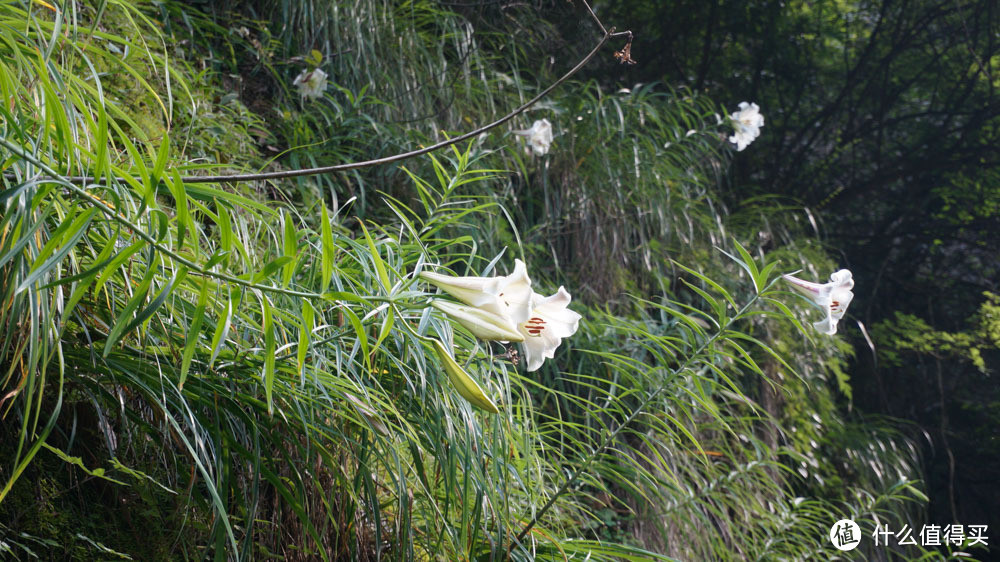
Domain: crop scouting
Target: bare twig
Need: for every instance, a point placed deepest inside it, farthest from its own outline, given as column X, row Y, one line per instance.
column 596, row 19
column 608, row 34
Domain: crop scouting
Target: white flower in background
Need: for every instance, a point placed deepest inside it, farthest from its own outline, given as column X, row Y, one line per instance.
column 311, row 83
column 539, row 137
column 508, row 297
column 544, row 330
column 484, row 325
column 832, row 297
column 746, row 125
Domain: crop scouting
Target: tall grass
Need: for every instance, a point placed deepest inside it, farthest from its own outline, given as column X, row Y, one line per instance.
column 247, row 366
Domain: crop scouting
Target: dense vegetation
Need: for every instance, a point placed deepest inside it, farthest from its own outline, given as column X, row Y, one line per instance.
column 251, row 369
column 885, row 126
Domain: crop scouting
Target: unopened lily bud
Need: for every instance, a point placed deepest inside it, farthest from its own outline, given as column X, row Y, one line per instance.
column 466, row 386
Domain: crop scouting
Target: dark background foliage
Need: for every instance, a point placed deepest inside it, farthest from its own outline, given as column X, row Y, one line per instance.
column 881, row 119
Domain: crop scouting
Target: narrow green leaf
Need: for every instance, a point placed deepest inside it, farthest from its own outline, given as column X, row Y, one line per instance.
column 335, row 296
column 359, row 331
column 718, row 307
column 206, row 193
column 116, row 263
column 221, row 330
column 101, row 162
column 161, row 160
column 305, row 329
column 225, row 229
column 291, row 247
column 14, row 191
column 86, row 279
column 193, row 333
column 269, row 269
column 748, row 264
column 179, row 192
column 268, row 355
column 78, row 462
column 75, row 232
column 145, row 186
column 329, row 251
column 376, row 259
column 23, row 240
column 162, row 224
column 787, row 312
column 118, row 328
column 216, row 258
column 725, row 294
column 386, row 328
column 765, row 274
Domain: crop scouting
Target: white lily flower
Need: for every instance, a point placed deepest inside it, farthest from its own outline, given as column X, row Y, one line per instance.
column 746, row 124
column 549, row 323
column 832, row 297
column 311, row 83
column 484, row 325
column 539, row 137
column 506, row 309
column 508, row 297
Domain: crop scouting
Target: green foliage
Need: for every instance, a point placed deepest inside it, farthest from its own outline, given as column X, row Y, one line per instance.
column 249, row 370
column 907, row 335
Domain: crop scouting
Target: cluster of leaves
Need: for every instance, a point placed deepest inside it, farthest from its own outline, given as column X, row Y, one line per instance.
column 907, row 333
column 252, row 368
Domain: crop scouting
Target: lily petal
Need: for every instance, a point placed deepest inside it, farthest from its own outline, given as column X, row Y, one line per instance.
column 515, row 293
column 311, row 83
column 473, row 291
column 807, row 288
column 550, row 322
